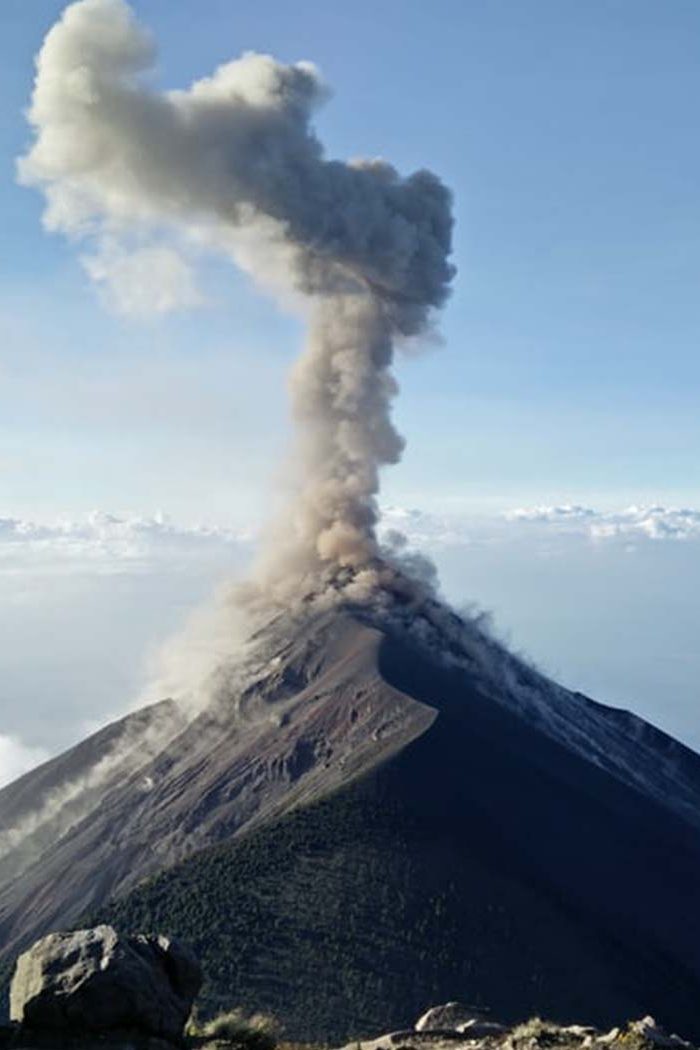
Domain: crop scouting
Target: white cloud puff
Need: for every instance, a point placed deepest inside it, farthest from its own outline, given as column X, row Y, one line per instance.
column 654, row 523
column 565, row 512
column 16, row 758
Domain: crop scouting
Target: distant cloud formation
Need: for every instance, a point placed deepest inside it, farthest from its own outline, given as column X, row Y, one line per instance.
column 100, row 542
column 657, row 523
column 653, row 522
column 565, row 512
column 16, row 758
column 103, row 542
column 424, row 528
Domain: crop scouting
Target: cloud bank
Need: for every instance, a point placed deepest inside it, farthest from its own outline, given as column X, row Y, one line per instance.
column 106, row 542
column 102, row 542
column 654, row 522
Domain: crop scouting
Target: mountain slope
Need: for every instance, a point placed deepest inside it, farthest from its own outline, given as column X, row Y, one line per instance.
column 316, row 716
column 484, row 861
column 391, row 811
column 39, row 807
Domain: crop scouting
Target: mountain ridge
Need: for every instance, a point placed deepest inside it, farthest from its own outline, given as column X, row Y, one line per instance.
column 407, row 759
column 472, row 905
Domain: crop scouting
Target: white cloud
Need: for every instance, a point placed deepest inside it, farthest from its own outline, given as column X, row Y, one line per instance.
column 104, row 542
column 565, row 520
column 654, row 522
column 565, row 512
column 16, row 758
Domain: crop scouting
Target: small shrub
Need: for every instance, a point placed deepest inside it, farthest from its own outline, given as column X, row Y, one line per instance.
column 235, row 1028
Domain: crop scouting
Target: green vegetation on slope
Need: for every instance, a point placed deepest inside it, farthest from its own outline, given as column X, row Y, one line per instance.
column 353, row 915
column 279, row 925
column 480, row 864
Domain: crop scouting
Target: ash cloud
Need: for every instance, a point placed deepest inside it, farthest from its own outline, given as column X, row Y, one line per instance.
column 233, row 164
column 143, row 281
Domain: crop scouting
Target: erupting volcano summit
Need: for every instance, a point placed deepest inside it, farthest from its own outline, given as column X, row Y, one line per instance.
column 373, row 804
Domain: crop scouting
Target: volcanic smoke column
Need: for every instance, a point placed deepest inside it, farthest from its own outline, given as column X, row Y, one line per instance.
column 232, row 164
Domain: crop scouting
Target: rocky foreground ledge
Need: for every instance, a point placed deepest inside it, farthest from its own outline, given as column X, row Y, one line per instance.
column 534, row 1034
column 96, row 990
column 455, row 1026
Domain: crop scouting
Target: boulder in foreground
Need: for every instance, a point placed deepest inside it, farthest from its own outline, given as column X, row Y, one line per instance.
column 98, row 981
column 450, row 1016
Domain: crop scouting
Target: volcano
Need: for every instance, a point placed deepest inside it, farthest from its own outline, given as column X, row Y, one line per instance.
column 387, row 809
column 378, row 806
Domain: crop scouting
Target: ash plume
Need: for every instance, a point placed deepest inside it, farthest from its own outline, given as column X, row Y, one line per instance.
column 232, row 164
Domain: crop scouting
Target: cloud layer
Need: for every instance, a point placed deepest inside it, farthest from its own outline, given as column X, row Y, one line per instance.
column 101, row 542
column 653, row 522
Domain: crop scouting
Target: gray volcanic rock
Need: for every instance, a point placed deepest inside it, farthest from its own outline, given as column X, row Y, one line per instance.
column 649, row 1031
column 534, row 1034
column 450, row 1017
column 96, row 981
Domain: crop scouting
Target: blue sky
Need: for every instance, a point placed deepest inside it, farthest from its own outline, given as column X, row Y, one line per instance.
column 570, row 366
column 569, row 135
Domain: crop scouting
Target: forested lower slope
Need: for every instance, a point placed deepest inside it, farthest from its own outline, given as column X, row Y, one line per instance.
column 492, row 867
